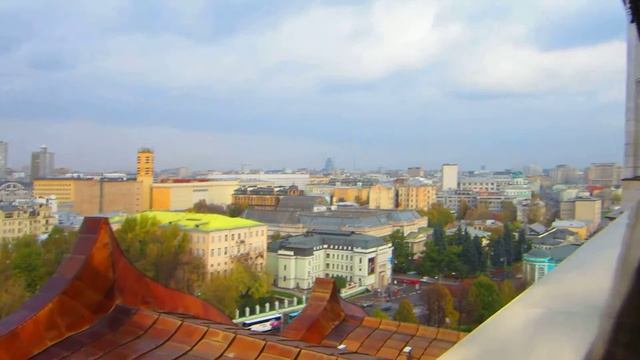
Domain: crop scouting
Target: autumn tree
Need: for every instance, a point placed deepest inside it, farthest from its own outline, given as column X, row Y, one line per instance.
column 463, row 208
column 484, row 298
column 405, row 313
column 439, row 215
column 480, row 212
column 439, row 305
column 509, row 212
column 506, row 291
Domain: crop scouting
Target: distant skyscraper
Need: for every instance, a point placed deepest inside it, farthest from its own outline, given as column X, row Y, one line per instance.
column 449, row 177
column 532, row 170
column 42, row 163
column 4, row 153
column 329, row 166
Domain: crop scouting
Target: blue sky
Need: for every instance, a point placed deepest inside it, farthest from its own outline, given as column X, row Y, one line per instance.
column 213, row 84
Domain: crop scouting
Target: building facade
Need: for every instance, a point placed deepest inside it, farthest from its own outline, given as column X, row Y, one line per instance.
column 539, row 262
column 144, row 175
column 585, row 209
column 604, row 174
column 363, row 260
column 415, row 171
column 219, row 240
column 29, row 219
column 382, row 197
column 420, row 197
column 452, row 199
column 354, row 194
column 267, row 197
column 42, row 163
column 449, row 179
column 181, row 195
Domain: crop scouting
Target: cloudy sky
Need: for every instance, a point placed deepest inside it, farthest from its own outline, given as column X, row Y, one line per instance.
column 391, row 83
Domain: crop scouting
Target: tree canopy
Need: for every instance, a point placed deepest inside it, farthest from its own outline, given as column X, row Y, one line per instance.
column 402, row 257
column 439, row 305
column 485, row 298
column 439, row 215
column 405, row 313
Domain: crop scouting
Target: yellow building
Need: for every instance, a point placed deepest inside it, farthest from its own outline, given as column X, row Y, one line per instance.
column 588, row 210
column 144, row 175
column 90, row 197
column 183, row 194
column 17, row 221
column 352, row 194
column 419, row 197
column 218, row 239
column 382, row 197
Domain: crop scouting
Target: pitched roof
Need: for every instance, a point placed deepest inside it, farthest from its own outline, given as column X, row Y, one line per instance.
column 97, row 304
column 306, row 203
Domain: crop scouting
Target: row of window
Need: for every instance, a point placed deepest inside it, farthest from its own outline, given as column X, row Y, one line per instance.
column 200, row 239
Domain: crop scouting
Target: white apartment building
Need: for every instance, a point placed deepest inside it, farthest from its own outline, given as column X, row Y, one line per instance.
column 362, row 259
column 449, row 177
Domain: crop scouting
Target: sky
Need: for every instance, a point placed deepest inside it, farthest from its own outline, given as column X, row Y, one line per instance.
column 273, row 84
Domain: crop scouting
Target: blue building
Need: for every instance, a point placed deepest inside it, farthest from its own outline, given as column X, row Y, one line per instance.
column 539, row 262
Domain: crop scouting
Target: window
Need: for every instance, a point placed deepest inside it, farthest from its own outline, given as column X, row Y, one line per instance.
column 225, row 250
column 327, row 265
column 285, row 267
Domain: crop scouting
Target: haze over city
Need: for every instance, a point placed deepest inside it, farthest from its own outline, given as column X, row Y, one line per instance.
column 385, row 83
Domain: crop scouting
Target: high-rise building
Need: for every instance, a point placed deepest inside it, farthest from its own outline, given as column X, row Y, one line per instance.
column 449, row 177
column 42, row 163
column 604, row 174
column 329, row 166
column 632, row 126
column 4, row 153
column 563, row 174
column 415, row 171
column 144, row 175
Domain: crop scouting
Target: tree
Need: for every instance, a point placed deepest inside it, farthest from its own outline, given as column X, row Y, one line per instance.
column 439, row 215
column 161, row 252
column 521, row 245
column 202, row 207
column 242, row 286
column 405, row 313
column 535, row 213
column 485, row 298
column 439, row 237
column 341, row 282
column 377, row 313
column 401, row 252
column 480, row 212
column 26, row 262
column 506, row 290
column 439, row 305
column 463, row 208
column 234, row 210
column 509, row 212
column 498, row 253
column 438, row 262
column 470, row 257
column 12, row 294
column 54, row 248
column 507, row 243
column 480, row 254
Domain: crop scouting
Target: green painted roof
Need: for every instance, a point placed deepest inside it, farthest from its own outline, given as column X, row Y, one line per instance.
column 195, row 221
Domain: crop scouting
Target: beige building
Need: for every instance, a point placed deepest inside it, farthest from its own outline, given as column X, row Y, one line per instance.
column 604, row 174
column 352, row 194
column 297, row 261
column 33, row 219
column 218, row 239
column 416, row 197
column 144, row 175
column 382, row 197
column 91, row 197
column 175, row 196
column 449, row 175
column 588, row 210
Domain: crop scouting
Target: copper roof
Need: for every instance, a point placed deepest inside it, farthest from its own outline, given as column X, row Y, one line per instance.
column 98, row 305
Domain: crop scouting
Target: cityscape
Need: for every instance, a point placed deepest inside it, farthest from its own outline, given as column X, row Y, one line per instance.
column 304, row 250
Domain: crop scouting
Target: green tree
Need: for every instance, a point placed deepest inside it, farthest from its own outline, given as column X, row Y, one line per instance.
column 161, row 252
column 203, row 208
column 521, row 245
column 54, row 248
column 439, row 215
column 438, row 262
column 377, row 313
column 26, row 262
column 234, row 210
column 401, row 253
column 12, row 294
column 439, row 305
column 405, row 313
column 484, row 297
column 470, row 257
column 506, row 290
column 439, row 238
column 507, row 243
column 341, row 282
column 481, row 254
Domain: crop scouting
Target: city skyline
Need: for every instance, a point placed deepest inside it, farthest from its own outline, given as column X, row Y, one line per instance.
column 206, row 85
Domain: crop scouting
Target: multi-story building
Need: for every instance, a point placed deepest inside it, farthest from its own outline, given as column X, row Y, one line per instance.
column 12, row 191
column 452, row 199
column 275, row 179
column 484, row 183
column 518, row 192
column 4, row 154
column 382, row 197
column 144, row 175
column 92, row 196
column 34, row 218
column 218, row 239
column 415, row 171
column 42, row 163
column 363, row 260
column 354, row 194
column 176, row 195
column 494, row 201
column 419, row 197
column 604, row 174
column 563, row 174
column 449, row 179
column 266, row 197
column 586, row 209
